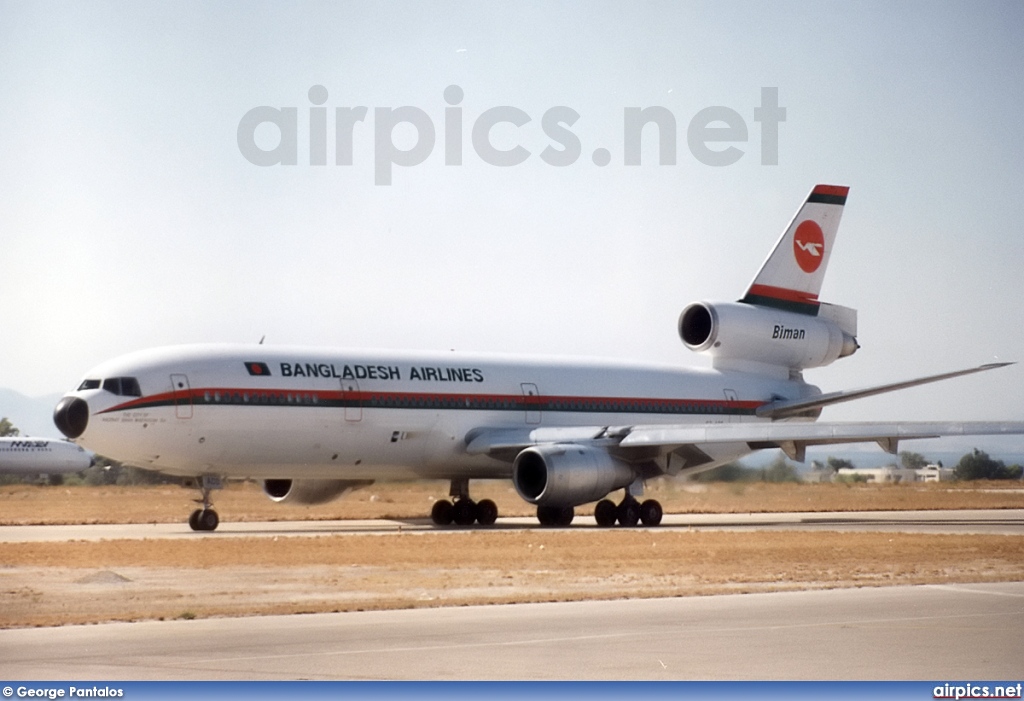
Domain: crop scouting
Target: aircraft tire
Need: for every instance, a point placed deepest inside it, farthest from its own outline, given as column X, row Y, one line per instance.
column 605, row 513
column 193, row 520
column 555, row 515
column 628, row 513
column 464, row 512
column 441, row 513
column 208, row 520
column 486, row 512
column 651, row 513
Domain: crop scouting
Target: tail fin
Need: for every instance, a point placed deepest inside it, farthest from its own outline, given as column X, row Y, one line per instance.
column 791, row 277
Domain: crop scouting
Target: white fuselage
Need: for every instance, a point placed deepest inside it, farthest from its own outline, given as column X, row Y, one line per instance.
column 300, row 413
column 23, row 455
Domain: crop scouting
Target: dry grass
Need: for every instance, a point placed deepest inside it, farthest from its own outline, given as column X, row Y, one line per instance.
column 27, row 504
column 44, row 584
column 79, row 582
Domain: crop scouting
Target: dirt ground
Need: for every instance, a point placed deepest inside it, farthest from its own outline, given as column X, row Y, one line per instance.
column 46, row 584
column 29, row 504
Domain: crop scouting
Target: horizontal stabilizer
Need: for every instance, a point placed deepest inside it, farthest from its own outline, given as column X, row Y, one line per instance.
column 795, row 407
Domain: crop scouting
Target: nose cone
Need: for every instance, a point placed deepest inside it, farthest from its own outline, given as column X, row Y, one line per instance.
column 71, row 416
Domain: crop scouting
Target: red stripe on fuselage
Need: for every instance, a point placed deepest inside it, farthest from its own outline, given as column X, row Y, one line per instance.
column 214, row 396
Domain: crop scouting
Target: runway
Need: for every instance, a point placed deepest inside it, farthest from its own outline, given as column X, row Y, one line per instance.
column 938, row 632
column 991, row 521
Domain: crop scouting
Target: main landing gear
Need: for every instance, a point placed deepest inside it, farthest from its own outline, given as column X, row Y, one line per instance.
column 464, row 511
column 555, row 515
column 205, row 519
column 628, row 513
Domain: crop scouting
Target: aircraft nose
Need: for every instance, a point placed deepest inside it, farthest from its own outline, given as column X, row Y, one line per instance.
column 71, row 415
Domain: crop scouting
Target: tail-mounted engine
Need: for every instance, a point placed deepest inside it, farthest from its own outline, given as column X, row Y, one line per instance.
column 744, row 336
column 310, row 491
column 567, row 474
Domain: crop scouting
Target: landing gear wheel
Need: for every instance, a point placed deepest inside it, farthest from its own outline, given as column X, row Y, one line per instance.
column 486, row 512
column 208, row 520
column 441, row 513
column 605, row 513
column 651, row 513
column 555, row 515
column 628, row 512
column 203, row 520
column 464, row 512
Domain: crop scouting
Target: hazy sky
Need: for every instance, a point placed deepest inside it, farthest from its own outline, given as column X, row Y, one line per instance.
column 129, row 217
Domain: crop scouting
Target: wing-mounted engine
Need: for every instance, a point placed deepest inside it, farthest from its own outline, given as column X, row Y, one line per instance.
column 310, row 491
column 754, row 338
column 567, row 474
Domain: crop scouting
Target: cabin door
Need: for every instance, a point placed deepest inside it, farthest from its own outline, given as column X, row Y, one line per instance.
column 352, row 400
column 182, row 396
column 531, row 397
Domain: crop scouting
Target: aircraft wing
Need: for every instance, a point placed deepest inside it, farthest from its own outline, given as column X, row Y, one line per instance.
column 688, row 439
column 793, row 438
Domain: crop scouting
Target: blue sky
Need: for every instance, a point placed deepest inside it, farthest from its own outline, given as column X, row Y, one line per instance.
column 129, row 217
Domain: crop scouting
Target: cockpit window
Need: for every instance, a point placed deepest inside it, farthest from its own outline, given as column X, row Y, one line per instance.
column 123, row 386
column 89, row 384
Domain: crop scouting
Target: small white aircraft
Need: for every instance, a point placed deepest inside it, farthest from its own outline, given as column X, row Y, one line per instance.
column 315, row 423
column 22, row 455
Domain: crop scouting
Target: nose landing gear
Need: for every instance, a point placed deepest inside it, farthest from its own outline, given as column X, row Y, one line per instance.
column 206, row 519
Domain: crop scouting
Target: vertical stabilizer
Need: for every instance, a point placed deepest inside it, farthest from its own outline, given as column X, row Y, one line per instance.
column 791, row 277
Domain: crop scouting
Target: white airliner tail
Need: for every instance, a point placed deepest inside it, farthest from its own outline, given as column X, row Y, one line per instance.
column 791, row 277
column 780, row 328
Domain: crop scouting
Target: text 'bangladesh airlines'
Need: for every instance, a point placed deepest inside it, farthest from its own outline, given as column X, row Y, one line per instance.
column 315, row 423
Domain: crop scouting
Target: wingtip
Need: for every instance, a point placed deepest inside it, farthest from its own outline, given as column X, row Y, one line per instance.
column 993, row 366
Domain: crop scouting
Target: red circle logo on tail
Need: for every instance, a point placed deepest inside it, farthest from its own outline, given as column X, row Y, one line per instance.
column 809, row 246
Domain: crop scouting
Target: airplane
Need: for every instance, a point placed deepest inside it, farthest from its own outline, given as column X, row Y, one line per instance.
column 312, row 424
column 22, row 455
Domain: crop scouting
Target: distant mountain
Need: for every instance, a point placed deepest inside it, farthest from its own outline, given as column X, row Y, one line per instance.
column 33, row 416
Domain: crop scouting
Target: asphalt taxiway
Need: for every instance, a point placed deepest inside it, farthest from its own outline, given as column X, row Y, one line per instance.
column 936, row 632
column 990, row 521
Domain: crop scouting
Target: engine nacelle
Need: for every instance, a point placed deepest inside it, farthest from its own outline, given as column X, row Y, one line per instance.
column 567, row 474
column 734, row 333
column 310, row 491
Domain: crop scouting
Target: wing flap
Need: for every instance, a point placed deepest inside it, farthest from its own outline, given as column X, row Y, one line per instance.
column 490, row 441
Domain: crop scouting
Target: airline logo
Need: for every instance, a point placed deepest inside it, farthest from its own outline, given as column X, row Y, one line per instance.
column 258, row 369
column 808, row 246
column 30, row 445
